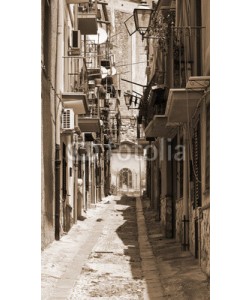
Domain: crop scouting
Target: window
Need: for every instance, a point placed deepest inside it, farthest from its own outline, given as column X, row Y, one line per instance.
column 126, row 178
column 199, row 37
column 64, row 172
column 79, row 169
column 87, row 173
column 181, row 170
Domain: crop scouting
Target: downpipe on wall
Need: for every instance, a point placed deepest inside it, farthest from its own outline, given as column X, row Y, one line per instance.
column 185, row 220
column 58, row 107
column 75, row 138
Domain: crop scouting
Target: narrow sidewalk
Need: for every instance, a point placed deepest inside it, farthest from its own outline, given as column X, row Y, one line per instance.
column 180, row 273
column 61, row 261
column 149, row 265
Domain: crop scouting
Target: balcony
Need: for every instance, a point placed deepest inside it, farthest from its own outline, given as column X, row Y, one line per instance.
column 89, row 124
column 77, row 101
column 158, row 127
column 87, row 17
column 76, row 79
column 182, row 104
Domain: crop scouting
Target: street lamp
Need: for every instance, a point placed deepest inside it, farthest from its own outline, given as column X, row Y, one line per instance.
column 128, row 97
column 142, row 15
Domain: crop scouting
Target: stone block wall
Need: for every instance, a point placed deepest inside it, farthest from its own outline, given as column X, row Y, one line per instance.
column 192, row 217
column 166, row 217
column 47, row 232
column 203, row 218
column 179, row 214
column 205, row 241
column 128, row 51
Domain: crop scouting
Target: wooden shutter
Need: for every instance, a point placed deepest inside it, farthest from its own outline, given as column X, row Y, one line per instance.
column 79, row 168
column 181, row 172
column 64, row 172
column 196, row 168
column 208, row 146
column 87, row 173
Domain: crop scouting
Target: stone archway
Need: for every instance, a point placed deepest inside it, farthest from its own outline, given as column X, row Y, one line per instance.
column 125, row 178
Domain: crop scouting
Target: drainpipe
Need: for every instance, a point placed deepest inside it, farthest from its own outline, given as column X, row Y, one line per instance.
column 185, row 190
column 84, row 174
column 57, row 192
column 75, row 138
column 58, row 116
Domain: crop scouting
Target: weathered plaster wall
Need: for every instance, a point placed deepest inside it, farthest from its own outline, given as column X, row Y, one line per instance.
column 179, row 217
column 49, row 24
column 205, row 241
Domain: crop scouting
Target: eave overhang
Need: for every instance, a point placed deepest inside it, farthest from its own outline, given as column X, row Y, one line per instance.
column 182, row 104
column 76, row 101
column 160, row 127
column 89, row 124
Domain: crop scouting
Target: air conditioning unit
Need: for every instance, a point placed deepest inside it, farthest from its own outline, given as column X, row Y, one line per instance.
column 68, row 119
column 76, row 39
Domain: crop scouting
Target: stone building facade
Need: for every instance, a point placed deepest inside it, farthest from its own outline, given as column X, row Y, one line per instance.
column 176, row 116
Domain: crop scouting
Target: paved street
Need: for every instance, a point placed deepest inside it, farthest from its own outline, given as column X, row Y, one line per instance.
column 110, row 256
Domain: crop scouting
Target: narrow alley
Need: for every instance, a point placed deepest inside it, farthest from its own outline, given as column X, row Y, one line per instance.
column 109, row 256
column 125, row 152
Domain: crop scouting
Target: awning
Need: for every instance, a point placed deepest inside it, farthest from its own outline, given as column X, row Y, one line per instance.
column 77, row 101
column 89, row 137
column 89, row 124
column 160, row 127
column 87, row 23
column 182, row 104
column 157, row 94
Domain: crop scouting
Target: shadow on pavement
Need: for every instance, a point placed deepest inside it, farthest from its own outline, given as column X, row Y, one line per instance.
column 129, row 235
column 181, row 275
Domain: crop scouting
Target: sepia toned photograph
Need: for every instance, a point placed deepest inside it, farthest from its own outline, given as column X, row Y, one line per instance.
column 125, row 149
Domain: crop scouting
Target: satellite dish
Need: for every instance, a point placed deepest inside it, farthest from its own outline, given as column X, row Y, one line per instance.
column 112, row 71
column 99, row 38
column 104, row 72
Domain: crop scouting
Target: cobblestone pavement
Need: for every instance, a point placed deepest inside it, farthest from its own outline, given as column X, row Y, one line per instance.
column 118, row 252
column 99, row 258
column 113, row 268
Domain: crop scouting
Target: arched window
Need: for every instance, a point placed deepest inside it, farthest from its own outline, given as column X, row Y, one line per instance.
column 125, row 178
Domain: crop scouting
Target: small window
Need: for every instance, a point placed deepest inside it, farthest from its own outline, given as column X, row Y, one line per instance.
column 208, row 147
